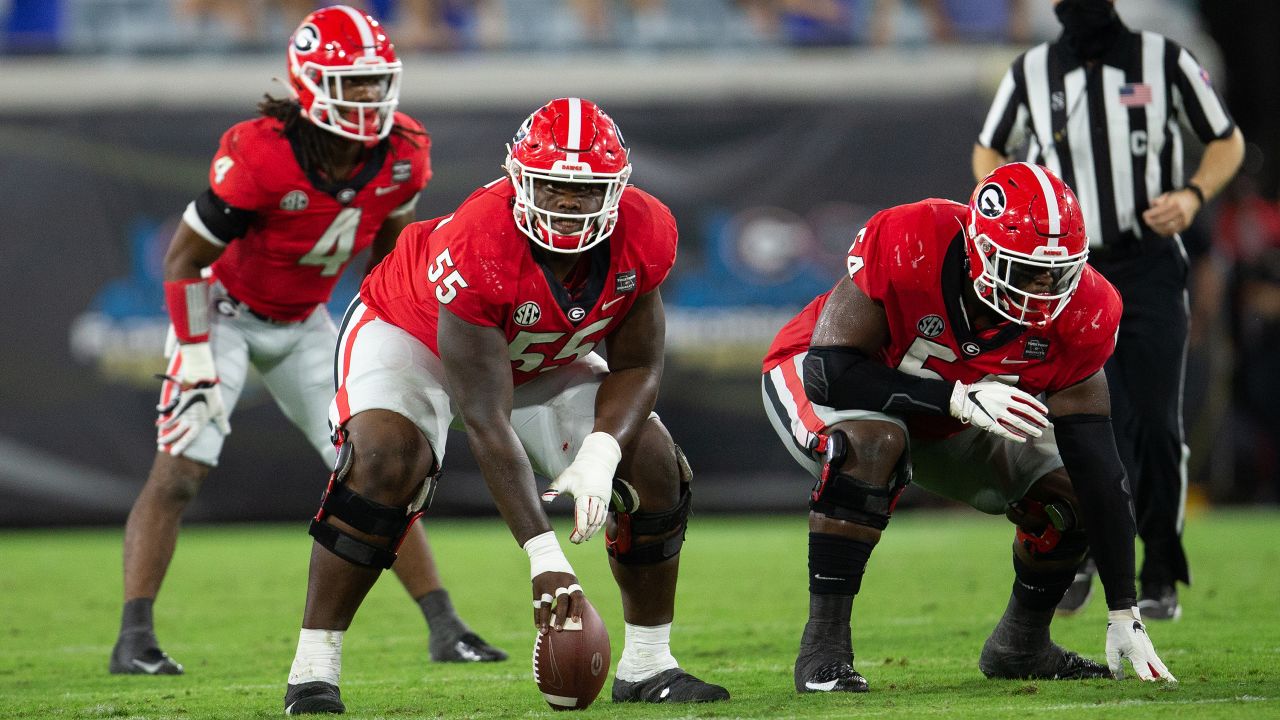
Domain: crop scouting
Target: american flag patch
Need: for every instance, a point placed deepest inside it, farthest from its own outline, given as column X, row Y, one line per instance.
column 1135, row 94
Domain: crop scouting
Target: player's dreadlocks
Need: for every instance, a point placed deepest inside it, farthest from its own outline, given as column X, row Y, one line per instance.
column 317, row 145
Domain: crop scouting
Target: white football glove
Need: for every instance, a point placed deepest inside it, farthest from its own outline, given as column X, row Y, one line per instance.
column 1001, row 409
column 589, row 479
column 197, row 403
column 1127, row 639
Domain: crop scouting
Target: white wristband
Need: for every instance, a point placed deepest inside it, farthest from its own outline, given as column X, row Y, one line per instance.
column 545, row 555
column 197, row 362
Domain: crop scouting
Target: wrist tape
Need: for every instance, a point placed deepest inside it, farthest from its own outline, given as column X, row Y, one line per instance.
column 545, row 555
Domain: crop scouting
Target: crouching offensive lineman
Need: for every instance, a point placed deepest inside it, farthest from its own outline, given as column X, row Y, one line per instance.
column 951, row 321
column 486, row 320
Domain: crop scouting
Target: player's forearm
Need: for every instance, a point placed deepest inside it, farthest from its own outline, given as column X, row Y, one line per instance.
column 624, row 401
column 509, row 477
column 846, row 379
column 1088, row 449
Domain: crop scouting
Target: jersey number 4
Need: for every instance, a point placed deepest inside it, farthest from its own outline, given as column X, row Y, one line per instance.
column 333, row 249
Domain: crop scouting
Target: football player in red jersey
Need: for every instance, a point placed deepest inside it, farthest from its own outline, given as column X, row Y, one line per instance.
column 293, row 195
column 951, row 322
column 486, row 320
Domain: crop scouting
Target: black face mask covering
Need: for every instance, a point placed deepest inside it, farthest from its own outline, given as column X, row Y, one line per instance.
column 1089, row 27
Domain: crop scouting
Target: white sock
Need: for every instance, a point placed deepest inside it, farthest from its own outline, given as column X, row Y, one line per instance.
column 646, row 653
column 319, row 657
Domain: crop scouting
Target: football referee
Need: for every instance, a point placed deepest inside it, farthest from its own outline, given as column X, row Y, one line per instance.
column 1101, row 106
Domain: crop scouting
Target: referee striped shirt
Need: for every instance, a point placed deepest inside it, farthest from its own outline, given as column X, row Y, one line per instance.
column 1110, row 130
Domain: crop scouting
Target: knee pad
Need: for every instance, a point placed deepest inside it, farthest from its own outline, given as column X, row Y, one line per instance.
column 630, row 522
column 1061, row 537
column 367, row 516
column 843, row 497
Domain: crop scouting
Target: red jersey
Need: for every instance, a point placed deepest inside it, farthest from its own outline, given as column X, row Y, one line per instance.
column 910, row 260
column 304, row 229
column 481, row 267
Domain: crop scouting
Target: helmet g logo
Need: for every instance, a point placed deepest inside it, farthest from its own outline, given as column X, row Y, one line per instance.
column 306, row 39
column 991, row 202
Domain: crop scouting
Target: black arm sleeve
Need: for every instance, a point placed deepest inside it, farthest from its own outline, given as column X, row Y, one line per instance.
column 1088, row 450
column 846, row 379
column 225, row 222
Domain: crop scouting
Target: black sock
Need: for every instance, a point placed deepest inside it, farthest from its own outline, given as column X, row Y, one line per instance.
column 836, row 564
column 441, row 618
column 1037, row 589
column 136, row 617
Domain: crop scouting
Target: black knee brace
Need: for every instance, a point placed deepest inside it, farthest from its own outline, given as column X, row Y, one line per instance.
column 365, row 515
column 675, row 520
column 1062, row 537
column 844, row 497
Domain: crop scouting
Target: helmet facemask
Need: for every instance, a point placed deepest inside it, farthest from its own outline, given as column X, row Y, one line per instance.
column 363, row 120
column 537, row 222
column 1005, row 273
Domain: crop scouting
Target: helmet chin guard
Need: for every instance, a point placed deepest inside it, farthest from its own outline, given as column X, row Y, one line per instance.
column 1026, row 243
column 332, row 53
column 568, row 140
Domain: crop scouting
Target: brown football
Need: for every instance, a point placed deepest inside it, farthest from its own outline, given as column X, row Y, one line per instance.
column 570, row 666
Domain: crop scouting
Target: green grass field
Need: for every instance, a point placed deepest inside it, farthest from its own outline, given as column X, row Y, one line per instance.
column 935, row 587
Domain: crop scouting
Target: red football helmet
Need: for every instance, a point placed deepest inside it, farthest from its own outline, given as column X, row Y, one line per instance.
column 568, row 140
column 1026, row 243
column 340, row 43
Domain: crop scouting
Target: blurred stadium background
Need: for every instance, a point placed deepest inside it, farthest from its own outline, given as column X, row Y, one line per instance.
column 773, row 129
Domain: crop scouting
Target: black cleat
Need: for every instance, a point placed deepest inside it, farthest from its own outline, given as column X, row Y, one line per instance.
column 832, row 676
column 468, row 647
column 1046, row 662
column 141, row 655
column 313, row 698
column 1080, row 590
column 669, row 686
column 1159, row 602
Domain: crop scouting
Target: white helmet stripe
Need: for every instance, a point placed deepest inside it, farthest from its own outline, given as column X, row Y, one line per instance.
column 575, row 128
column 1051, row 202
column 363, row 27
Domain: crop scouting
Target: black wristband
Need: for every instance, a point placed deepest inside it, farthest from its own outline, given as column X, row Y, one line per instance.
column 1194, row 188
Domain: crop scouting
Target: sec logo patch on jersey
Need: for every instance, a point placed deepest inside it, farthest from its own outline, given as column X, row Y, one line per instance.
column 294, row 201
column 527, row 314
column 930, row 326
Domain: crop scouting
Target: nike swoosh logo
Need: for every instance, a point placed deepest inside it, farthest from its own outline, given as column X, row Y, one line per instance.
column 384, row 190
column 611, row 303
column 665, row 692
column 1011, row 361
column 148, row 668
column 824, row 577
column 821, row 686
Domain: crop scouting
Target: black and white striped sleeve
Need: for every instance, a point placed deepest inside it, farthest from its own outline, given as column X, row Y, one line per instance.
column 1006, row 124
column 1197, row 102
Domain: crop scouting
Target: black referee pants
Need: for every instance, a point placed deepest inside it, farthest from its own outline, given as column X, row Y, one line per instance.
column 1146, row 377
